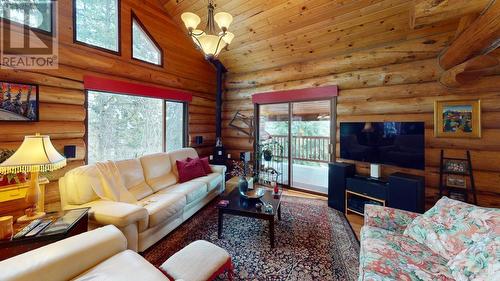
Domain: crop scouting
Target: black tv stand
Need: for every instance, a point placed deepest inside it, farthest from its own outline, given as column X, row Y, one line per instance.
column 349, row 192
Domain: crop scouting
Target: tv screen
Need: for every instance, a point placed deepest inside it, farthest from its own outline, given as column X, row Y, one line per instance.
column 400, row 144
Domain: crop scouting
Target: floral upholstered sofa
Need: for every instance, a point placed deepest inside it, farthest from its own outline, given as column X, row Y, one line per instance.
column 451, row 241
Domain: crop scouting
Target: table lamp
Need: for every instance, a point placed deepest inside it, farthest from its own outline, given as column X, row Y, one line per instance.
column 36, row 154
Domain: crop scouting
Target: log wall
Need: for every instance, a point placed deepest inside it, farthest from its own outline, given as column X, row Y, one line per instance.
column 62, row 95
column 394, row 82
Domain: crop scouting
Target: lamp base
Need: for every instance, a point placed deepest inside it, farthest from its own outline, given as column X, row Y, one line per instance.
column 35, row 216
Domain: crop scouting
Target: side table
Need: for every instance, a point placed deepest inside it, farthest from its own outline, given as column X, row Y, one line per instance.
column 74, row 223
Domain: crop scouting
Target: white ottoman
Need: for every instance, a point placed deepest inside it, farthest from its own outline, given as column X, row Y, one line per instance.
column 198, row 261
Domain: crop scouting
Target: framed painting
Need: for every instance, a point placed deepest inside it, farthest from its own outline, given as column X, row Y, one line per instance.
column 457, row 119
column 18, row 102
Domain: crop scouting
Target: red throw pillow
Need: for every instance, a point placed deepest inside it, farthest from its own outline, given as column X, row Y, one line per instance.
column 204, row 163
column 189, row 170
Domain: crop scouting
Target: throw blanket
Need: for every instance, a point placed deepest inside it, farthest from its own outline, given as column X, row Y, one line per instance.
column 111, row 187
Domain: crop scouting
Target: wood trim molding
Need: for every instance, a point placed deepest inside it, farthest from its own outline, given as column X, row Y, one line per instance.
column 296, row 95
column 122, row 87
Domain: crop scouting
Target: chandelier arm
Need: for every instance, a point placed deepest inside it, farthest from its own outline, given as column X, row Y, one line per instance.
column 194, row 34
column 199, row 43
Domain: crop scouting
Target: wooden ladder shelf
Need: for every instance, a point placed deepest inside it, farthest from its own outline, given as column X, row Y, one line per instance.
column 455, row 167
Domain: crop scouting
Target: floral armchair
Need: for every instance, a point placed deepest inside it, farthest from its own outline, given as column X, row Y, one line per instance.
column 448, row 242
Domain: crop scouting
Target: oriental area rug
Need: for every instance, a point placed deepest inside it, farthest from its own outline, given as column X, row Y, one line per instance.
column 313, row 242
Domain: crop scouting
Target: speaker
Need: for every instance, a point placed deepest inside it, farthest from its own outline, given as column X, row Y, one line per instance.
column 70, row 151
column 198, row 139
column 337, row 175
column 406, row 192
column 219, row 155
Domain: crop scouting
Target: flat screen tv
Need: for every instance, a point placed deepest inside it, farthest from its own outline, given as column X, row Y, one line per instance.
column 399, row 144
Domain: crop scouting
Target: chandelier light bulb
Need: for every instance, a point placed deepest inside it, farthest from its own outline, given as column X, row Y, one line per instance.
column 191, row 20
column 223, row 20
column 228, row 37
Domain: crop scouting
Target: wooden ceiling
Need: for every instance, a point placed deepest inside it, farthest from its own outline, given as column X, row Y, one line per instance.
column 271, row 33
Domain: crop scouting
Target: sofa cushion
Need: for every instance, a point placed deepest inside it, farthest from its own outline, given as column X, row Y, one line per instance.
column 181, row 154
column 212, row 180
column 192, row 190
column 386, row 255
column 126, row 265
column 481, row 261
column 189, row 170
column 133, row 178
column 158, row 171
column 452, row 226
column 162, row 207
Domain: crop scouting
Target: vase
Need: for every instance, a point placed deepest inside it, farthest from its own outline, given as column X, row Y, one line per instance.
column 242, row 185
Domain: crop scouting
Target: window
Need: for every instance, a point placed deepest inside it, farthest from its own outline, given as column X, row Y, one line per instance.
column 36, row 14
column 125, row 127
column 144, row 47
column 97, row 24
column 174, row 125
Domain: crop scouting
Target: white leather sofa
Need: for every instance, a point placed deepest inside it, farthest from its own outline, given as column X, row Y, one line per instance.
column 100, row 254
column 163, row 203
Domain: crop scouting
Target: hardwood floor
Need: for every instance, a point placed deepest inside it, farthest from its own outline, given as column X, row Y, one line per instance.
column 355, row 220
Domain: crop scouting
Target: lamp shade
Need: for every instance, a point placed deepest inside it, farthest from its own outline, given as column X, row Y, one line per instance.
column 36, row 154
column 211, row 44
column 223, row 20
column 190, row 20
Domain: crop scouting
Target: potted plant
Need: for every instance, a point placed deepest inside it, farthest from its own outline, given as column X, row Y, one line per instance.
column 13, row 178
column 268, row 154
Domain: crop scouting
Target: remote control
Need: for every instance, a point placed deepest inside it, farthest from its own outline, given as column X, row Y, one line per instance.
column 38, row 228
column 27, row 228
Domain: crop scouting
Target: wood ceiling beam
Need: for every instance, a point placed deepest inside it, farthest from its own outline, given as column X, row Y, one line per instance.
column 400, row 52
column 481, row 37
column 470, row 71
column 425, row 12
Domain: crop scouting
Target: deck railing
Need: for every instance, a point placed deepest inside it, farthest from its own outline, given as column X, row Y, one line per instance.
column 313, row 149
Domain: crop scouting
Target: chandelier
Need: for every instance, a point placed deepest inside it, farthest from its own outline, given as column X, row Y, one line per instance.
column 210, row 41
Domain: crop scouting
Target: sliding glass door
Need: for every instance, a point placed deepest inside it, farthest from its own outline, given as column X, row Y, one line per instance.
column 303, row 130
column 310, row 147
column 274, row 125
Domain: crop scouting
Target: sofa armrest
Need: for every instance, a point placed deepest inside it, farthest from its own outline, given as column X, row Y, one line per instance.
column 388, row 218
column 119, row 214
column 65, row 259
column 221, row 169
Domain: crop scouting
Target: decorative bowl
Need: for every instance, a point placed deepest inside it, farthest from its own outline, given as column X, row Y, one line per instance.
column 255, row 193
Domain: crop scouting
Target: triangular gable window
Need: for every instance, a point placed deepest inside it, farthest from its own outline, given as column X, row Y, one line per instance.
column 144, row 47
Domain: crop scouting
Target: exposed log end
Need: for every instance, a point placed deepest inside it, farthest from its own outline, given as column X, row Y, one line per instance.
column 470, row 71
column 480, row 38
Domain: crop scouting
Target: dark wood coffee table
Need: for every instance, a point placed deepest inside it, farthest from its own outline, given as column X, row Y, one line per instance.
column 246, row 208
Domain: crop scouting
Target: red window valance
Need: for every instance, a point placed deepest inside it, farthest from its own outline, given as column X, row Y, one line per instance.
column 95, row 83
column 296, row 95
